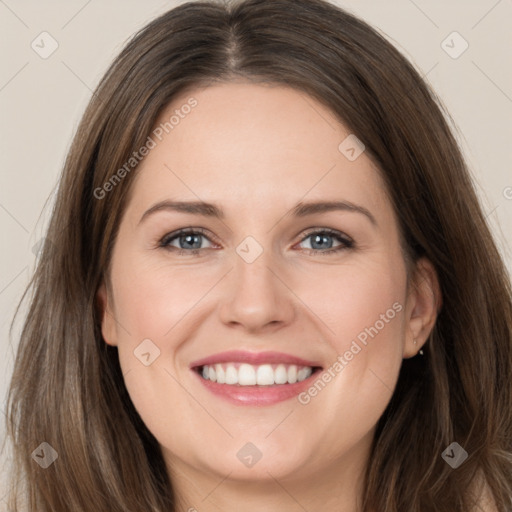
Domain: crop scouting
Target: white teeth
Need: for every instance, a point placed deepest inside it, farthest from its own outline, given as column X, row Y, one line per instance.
column 246, row 375
column 292, row 374
column 221, row 375
column 303, row 374
column 265, row 375
column 231, row 375
column 281, row 375
column 249, row 375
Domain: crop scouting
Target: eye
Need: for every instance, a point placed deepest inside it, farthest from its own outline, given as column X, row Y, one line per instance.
column 188, row 240
column 321, row 241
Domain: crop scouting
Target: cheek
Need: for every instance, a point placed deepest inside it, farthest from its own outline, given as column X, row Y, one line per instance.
column 357, row 303
column 362, row 313
column 155, row 302
column 153, row 299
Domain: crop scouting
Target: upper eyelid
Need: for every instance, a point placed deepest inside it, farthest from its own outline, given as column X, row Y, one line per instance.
column 185, row 231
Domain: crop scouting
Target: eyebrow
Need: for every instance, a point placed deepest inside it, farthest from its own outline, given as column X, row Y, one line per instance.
column 299, row 210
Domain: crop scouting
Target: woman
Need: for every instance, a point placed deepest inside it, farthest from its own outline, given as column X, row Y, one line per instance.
column 250, row 369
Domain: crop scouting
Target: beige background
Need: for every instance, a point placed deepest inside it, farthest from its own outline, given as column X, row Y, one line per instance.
column 41, row 101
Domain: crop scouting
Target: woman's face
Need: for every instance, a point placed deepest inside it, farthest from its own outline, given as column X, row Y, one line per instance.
column 271, row 289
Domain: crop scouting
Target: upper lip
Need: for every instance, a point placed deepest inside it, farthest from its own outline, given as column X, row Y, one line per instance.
column 255, row 358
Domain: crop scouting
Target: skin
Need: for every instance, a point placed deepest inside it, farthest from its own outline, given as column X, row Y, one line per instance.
column 256, row 151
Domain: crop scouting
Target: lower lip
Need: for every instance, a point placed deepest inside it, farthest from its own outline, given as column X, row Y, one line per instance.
column 257, row 395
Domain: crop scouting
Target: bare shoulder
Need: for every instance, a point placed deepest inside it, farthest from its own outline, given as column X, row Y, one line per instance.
column 482, row 496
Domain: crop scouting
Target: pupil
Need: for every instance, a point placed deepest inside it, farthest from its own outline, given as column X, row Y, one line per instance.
column 321, row 238
column 189, row 238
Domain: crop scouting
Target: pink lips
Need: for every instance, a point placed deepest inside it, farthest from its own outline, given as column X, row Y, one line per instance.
column 254, row 395
column 255, row 358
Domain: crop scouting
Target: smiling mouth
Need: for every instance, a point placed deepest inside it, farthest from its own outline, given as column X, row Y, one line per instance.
column 244, row 374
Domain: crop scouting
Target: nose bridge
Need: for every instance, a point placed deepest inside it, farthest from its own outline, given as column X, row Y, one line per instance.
column 257, row 295
column 252, row 273
column 253, row 263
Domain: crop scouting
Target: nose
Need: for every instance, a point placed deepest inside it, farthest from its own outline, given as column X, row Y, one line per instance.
column 257, row 296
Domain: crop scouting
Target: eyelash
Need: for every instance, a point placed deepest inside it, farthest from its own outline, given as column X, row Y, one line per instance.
column 164, row 242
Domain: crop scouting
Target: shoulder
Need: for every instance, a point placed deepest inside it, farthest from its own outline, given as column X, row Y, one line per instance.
column 482, row 495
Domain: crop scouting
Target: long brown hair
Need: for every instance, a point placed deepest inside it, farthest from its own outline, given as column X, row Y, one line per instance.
column 67, row 388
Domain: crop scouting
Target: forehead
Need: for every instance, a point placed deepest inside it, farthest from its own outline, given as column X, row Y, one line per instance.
column 244, row 141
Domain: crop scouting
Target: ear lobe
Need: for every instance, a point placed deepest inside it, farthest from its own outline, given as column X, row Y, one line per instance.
column 108, row 329
column 424, row 304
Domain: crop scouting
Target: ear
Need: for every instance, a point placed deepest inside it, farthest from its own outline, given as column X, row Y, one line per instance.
column 108, row 327
column 423, row 304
